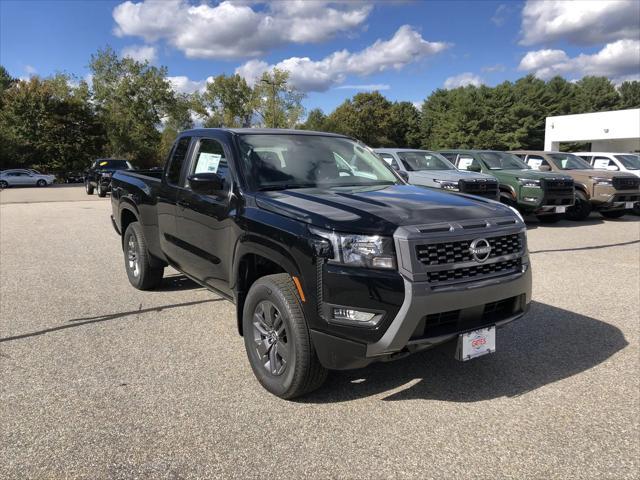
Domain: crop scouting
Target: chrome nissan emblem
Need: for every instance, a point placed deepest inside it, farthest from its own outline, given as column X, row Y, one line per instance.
column 480, row 249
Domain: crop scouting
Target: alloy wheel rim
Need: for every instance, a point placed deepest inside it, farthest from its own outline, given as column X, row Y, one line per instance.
column 132, row 257
column 270, row 338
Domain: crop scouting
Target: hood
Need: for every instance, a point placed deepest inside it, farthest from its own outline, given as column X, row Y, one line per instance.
column 450, row 175
column 530, row 173
column 376, row 210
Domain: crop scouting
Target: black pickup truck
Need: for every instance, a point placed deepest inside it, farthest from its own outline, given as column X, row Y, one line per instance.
column 98, row 175
column 329, row 267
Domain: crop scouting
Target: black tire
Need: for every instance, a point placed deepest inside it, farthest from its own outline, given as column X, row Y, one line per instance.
column 581, row 208
column 3, row 184
column 613, row 213
column 551, row 218
column 101, row 191
column 89, row 188
column 636, row 208
column 137, row 260
column 41, row 183
column 298, row 371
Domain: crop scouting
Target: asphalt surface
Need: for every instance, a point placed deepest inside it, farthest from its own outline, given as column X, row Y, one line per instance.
column 99, row 380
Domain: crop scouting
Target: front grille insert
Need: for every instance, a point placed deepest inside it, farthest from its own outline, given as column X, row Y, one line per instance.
column 482, row 188
column 458, row 251
column 626, row 183
column 470, row 273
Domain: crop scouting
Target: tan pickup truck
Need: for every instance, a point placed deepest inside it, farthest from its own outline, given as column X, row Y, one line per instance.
column 611, row 193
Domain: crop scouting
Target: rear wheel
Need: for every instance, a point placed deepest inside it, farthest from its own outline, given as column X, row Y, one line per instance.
column 137, row 260
column 613, row 214
column 277, row 339
column 581, row 208
column 102, row 192
column 88, row 187
column 41, row 183
column 636, row 208
column 3, row 184
column 553, row 218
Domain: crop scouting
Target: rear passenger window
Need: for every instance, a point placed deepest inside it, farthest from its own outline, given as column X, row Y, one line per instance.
column 390, row 160
column 601, row 162
column 449, row 156
column 465, row 161
column 535, row 161
column 177, row 160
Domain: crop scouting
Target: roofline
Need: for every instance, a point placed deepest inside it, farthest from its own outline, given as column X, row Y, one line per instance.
column 262, row 131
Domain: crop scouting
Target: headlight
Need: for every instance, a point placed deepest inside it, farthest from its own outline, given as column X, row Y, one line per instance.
column 602, row 181
column 447, row 185
column 372, row 251
column 529, row 183
column 518, row 214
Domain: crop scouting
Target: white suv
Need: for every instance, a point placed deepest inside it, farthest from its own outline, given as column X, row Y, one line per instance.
column 622, row 162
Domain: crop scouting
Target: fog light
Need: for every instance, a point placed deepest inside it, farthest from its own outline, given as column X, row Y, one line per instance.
column 353, row 315
column 530, row 199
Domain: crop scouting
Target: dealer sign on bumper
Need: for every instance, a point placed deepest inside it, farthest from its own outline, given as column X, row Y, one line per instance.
column 477, row 343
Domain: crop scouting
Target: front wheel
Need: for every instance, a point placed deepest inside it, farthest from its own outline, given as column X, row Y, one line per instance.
column 102, row 192
column 89, row 188
column 3, row 184
column 277, row 339
column 581, row 208
column 41, row 183
column 613, row 214
column 137, row 262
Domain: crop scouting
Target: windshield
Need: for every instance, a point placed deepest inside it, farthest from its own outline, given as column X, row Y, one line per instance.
column 630, row 161
column 273, row 162
column 567, row 161
column 113, row 164
column 502, row 161
column 420, row 160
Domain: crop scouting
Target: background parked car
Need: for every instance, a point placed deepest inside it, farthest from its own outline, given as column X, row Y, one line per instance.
column 24, row 177
column 430, row 169
column 614, row 162
column 98, row 176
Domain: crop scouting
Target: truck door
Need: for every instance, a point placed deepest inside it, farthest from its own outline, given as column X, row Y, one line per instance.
column 168, row 199
column 203, row 221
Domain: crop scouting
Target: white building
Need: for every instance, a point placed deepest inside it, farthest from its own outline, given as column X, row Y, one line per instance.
column 617, row 131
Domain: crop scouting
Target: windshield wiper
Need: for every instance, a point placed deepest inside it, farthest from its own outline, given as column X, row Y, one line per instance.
column 286, row 186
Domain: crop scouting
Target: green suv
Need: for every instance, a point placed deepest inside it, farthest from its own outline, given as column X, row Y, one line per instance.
column 546, row 195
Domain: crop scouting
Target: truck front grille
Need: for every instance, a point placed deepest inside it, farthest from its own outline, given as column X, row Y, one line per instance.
column 456, row 252
column 470, row 273
column 557, row 191
column 482, row 188
column 626, row 183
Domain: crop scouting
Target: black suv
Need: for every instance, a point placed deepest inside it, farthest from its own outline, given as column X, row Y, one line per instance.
column 329, row 267
column 98, row 175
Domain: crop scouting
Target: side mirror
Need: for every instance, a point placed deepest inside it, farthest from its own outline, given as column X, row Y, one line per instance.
column 544, row 168
column 474, row 168
column 612, row 168
column 206, row 183
column 403, row 175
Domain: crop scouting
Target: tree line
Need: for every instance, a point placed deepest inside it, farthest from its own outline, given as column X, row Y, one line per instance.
column 130, row 110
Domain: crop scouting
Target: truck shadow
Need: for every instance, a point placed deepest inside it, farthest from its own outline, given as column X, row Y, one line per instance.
column 548, row 345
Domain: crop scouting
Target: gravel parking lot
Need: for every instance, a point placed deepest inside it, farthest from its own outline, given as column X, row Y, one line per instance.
column 99, row 380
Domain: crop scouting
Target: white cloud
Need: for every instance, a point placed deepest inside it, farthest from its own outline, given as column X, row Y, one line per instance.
column 501, row 14
column 463, row 80
column 584, row 22
column 406, row 46
column 183, row 84
column 140, row 53
column 494, row 68
column 615, row 60
column 30, row 70
column 236, row 29
column 368, row 87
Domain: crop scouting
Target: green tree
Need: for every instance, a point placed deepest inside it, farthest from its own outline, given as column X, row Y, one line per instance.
column 366, row 117
column 179, row 118
column 278, row 103
column 231, row 101
column 49, row 124
column 405, row 125
column 595, row 94
column 132, row 98
column 316, row 120
column 630, row 94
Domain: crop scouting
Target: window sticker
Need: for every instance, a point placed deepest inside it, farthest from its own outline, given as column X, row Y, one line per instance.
column 208, row 163
column 465, row 163
column 535, row 163
column 601, row 163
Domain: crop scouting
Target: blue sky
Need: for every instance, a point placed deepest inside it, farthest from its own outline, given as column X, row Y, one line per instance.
column 330, row 47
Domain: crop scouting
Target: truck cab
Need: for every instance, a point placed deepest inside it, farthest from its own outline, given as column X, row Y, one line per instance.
column 430, row 169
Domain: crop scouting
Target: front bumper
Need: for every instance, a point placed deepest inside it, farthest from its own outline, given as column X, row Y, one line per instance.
column 608, row 198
